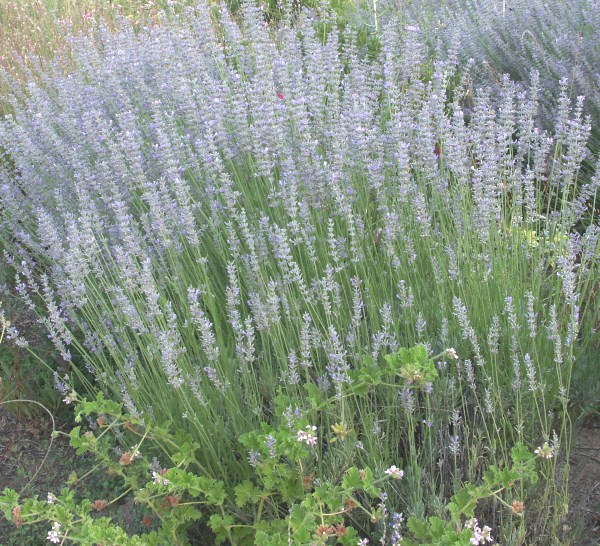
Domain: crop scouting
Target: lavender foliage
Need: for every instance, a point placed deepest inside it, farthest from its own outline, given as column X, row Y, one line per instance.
column 212, row 211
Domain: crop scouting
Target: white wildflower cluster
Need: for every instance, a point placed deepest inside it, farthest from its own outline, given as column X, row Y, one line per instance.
column 54, row 533
column 479, row 535
column 159, row 478
column 394, row 472
column 451, row 353
column 308, row 435
column 545, row 451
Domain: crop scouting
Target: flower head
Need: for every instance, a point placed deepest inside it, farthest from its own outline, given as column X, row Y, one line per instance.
column 99, row 505
column 159, row 478
column 545, row 451
column 517, row 507
column 53, row 535
column 308, row 435
column 325, row 530
column 16, row 516
column 253, row 457
column 341, row 431
column 478, row 535
column 394, row 472
column 125, row 458
column 340, row 529
column 451, row 353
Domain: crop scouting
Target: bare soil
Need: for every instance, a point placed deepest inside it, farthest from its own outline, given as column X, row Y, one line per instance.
column 584, row 484
column 26, row 449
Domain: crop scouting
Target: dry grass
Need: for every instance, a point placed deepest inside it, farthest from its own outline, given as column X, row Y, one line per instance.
column 37, row 29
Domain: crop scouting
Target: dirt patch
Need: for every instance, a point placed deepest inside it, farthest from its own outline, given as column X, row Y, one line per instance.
column 584, row 484
column 24, row 444
column 24, row 448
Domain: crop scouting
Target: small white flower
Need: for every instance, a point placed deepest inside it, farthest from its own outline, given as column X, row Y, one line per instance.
column 545, row 451
column 451, row 352
column 486, row 534
column 51, row 498
column 478, row 536
column 68, row 400
column 471, row 523
column 308, row 435
column 53, row 535
column 394, row 472
column 159, row 479
column 362, row 542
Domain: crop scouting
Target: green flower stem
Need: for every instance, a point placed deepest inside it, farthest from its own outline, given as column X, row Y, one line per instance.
column 261, row 504
column 126, row 492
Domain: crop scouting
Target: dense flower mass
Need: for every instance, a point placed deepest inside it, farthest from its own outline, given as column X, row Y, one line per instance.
column 560, row 39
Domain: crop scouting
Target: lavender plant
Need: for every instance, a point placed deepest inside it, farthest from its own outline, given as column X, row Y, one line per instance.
column 226, row 225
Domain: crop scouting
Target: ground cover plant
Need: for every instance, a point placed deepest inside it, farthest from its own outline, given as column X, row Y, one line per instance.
column 34, row 463
column 317, row 265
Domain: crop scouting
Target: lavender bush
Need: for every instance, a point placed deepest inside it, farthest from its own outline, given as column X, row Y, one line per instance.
column 225, row 224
